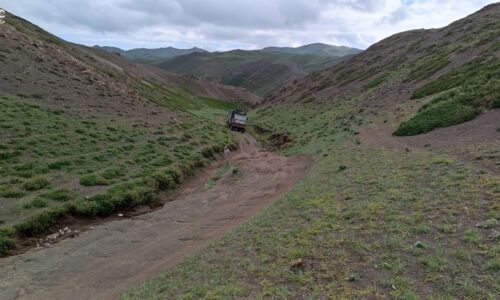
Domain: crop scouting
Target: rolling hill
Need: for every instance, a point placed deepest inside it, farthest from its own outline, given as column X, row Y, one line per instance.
column 85, row 132
column 403, row 201
column 151, row 56
column 315, row 49
column 260, row 71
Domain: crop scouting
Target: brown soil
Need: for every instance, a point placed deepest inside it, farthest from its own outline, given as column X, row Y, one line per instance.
column 106, row 261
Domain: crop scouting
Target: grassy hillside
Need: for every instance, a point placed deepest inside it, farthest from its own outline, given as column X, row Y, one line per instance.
column 260, row 71
column 455, row 68
column 86, row 133
column 379, row 216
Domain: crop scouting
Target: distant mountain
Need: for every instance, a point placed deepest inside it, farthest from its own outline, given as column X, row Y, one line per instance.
column 317, row 49
column 151, row 56
column 260, row 71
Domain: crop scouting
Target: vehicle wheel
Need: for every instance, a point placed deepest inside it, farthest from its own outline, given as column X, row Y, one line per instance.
column 242, row 130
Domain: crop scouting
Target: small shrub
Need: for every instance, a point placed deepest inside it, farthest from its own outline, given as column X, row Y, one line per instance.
column 93, row 180
column 36, row 183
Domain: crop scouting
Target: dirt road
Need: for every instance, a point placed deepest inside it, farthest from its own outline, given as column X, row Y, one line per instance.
column 106, row 261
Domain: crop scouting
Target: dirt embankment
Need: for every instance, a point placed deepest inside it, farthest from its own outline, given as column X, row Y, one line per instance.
column 111, row 258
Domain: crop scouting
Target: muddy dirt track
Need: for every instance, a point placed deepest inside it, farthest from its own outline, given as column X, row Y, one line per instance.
column 106, row 261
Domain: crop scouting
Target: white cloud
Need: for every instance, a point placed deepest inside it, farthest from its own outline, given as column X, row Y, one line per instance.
column 225, row 24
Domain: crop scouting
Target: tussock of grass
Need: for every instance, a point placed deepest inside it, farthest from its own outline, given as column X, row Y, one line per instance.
column 11, row 192
column 36, row 183
column 61, row 195
column 93, row 180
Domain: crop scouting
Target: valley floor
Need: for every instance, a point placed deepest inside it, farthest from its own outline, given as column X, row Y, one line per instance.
column 378, row 217
column 106, row 261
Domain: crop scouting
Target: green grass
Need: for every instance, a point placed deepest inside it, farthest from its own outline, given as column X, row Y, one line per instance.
column 53, row 162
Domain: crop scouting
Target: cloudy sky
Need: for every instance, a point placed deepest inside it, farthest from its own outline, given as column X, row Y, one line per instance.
column 230, row 24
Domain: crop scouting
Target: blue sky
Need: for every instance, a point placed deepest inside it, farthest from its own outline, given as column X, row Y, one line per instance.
column 230, row 24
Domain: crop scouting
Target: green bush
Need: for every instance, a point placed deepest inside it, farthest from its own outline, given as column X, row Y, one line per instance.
column 36, row 183
column 93, row 180
column 441, row 114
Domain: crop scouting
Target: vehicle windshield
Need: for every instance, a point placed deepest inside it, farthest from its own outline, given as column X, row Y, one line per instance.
column 240, row 117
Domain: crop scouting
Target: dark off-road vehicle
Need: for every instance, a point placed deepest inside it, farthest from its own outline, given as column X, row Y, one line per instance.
column 237, row 120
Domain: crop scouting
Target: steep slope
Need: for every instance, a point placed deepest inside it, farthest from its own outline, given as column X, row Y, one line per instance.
column 457, row 66
column 238, row 67
column 380, row 216
column 151, row 56
column 86, row 132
